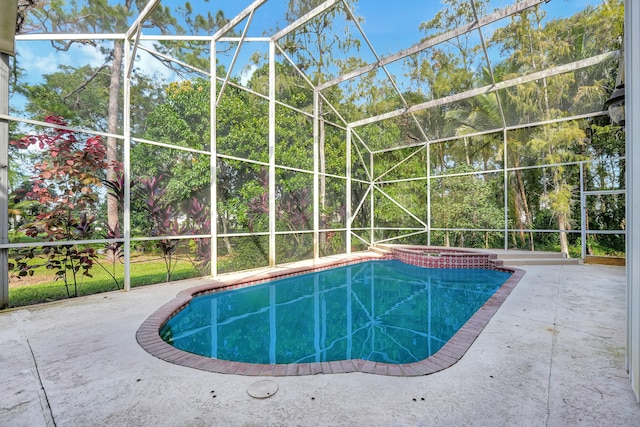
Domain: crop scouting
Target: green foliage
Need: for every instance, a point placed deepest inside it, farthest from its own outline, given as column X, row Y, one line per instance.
column 248, row 253
column 65, row 183
column 81, row 96
column 465, row 201
column 606, row 244
column 183, row 120
column 464, row 192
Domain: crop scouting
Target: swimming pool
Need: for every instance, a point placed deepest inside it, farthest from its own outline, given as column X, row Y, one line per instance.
column 351, row 318
column 381, row 311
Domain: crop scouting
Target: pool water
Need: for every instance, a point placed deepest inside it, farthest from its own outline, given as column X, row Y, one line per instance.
column 382, row 311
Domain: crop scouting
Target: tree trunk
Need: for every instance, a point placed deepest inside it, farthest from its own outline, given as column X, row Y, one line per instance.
column 225, row 230
column 588, row 247
column 323, row 179
column 564, row 243
column 525, row 205
column 466, row 151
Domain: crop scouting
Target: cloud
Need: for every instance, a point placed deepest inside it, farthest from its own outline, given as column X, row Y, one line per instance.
column 38, row 58
column 247, row 73
column 91, row 55
column 151, row 66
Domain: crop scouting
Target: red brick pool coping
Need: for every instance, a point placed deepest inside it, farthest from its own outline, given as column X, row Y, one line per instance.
column 148, row 335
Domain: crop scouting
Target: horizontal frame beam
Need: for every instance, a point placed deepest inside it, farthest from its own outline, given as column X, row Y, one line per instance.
column 550, row 72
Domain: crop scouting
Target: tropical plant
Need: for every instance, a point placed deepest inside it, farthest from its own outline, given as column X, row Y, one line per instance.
column 100, row 16
column 65, row 185
column 163, row 217
column 200, row 223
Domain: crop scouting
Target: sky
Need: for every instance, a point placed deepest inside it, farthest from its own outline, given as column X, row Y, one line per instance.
column 389, row 26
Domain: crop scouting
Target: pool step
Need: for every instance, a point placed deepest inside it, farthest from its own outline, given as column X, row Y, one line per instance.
column 540, row 261
column 382, row 250
column 518, row 257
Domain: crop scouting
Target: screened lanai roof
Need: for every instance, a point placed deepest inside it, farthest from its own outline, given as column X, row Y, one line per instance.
column 342, row 48
column 375, row 78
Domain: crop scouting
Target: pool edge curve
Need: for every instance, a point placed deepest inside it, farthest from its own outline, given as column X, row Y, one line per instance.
column 148, row 336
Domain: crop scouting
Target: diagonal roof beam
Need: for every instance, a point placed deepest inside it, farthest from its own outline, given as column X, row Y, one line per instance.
column 159, row 55
column 238, row 18
column 485, row 20
column 561, row 69
column 384, row 68
column 377, row 187
column 306, row 79
column 235, row 57
column 406, row 159
column 135, row 29
column 304, row 18
column 144, row 14
column 362, row 200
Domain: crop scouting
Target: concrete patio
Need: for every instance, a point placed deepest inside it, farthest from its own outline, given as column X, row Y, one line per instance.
column 553, row 355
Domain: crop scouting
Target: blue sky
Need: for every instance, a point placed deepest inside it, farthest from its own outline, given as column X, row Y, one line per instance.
column 390, row 26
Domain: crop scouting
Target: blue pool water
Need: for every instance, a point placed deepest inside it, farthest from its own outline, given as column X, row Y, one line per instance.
column 383, row 311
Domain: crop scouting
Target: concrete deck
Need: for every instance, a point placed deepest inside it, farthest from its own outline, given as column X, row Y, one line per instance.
column 553, row 355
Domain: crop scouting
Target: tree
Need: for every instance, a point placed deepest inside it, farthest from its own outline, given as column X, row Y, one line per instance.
column 316, row 48
column 182, row 120
column 490, row 112
column 81, row 95
column 454, row 68
column 68, row 175
column 559, row 143
column 530, row 44
column 65, row 184
column 465, row 201
column 101, row 17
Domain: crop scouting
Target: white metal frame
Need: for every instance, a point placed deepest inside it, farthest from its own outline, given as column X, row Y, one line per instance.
column 4, row 179
column 133, row 36
column 632, row 97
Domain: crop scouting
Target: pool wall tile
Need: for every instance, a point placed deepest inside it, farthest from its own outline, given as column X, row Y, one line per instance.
column 426, row 366
column 267, row 370
column 227, row 368
column 408, row 370
column 443, row 358
column 394, row 370
column 368, row 366
column 381, row 369
column 244, row 369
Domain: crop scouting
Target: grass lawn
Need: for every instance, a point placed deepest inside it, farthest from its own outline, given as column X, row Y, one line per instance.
column 41, row 287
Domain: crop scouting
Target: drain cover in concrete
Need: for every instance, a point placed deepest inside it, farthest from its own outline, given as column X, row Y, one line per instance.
column 263, row 389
